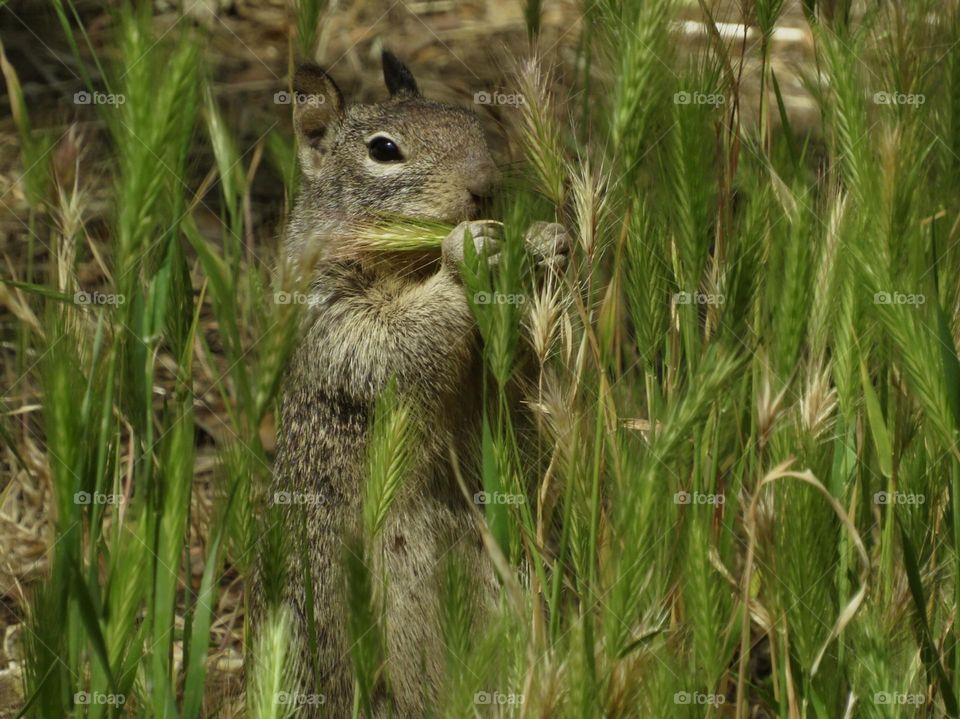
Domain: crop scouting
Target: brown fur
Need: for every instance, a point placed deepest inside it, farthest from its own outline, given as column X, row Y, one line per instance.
column 374, row 318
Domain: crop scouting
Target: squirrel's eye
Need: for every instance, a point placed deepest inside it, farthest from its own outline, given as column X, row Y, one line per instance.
column 383, row 149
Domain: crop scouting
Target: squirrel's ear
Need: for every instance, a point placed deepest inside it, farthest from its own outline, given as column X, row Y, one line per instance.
column 397, row 76
column 317, row 104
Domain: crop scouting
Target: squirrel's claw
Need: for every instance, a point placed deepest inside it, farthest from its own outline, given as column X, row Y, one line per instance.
column 549, row 243
column 486, row 239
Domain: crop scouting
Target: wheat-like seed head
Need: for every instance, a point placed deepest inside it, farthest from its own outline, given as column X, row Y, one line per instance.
column 276, row 668
column 543, row 319
column 819, row 400
column 539, row 133
column 555, row 406
column 769, row 407
column 589, row 190
column 402, row 234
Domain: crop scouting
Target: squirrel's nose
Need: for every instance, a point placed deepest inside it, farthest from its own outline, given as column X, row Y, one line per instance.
column 483, row 180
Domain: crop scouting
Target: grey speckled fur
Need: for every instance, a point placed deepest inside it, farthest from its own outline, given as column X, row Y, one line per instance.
column 377, row 317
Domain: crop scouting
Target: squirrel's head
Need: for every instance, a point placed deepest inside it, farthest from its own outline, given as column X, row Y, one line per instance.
column 407, row 156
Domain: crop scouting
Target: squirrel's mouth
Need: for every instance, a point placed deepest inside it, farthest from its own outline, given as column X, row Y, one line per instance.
column 482, row 206
column 473, row 207
column 469, row 207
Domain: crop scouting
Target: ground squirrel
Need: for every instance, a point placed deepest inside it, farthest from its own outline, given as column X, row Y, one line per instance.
column 373, row 317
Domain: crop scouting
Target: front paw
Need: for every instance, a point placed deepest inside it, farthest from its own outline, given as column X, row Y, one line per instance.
column 549, row 243
column 485, row 235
